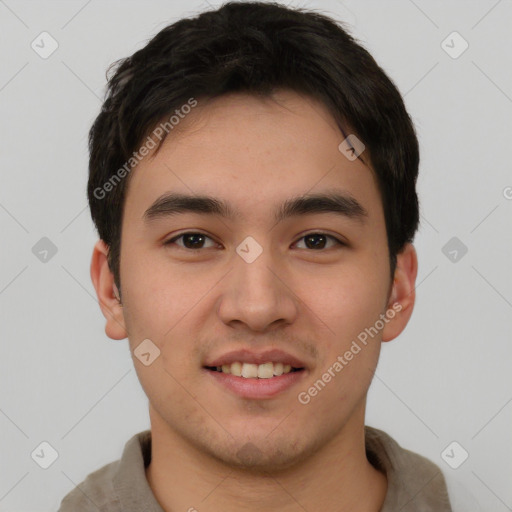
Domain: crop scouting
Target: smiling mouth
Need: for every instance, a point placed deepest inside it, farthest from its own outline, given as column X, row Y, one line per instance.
column 254, row 371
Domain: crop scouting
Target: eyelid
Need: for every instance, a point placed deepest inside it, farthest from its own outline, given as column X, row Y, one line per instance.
column 189, row 232
column 338, row 241
column 327, row 234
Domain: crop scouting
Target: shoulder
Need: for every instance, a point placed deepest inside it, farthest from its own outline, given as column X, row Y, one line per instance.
column 414, row 482
column 112, row 487
column 95, row 493
column 389, row 454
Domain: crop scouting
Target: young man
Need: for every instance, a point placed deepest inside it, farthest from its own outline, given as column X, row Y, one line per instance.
column 252, row 180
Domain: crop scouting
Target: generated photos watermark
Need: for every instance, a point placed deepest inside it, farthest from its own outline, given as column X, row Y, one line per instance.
column 144, row 150
column 304, row 397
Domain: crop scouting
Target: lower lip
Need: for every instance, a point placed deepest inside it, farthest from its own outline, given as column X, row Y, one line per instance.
column 257, row 388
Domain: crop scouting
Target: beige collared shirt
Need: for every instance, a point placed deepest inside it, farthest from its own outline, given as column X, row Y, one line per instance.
column 415, row 484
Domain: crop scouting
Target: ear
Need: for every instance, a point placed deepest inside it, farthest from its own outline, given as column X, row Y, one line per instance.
column 106, row 290
column 402, row 295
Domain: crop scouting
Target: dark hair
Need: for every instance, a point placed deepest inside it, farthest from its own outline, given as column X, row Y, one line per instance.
column 257, row 48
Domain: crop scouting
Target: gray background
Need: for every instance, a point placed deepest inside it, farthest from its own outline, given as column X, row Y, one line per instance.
column 446, row 378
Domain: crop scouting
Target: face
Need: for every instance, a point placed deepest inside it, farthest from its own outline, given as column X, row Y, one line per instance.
column 210, row 289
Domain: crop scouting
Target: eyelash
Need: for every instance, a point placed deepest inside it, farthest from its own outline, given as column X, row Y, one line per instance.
column 172, row 240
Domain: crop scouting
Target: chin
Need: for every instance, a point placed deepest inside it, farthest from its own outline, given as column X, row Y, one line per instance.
column 262, row 456
column 250, row 458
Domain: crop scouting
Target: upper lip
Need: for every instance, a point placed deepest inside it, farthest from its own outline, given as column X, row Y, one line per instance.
column 249, row 356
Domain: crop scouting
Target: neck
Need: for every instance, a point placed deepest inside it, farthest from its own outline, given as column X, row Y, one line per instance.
column 336, row 477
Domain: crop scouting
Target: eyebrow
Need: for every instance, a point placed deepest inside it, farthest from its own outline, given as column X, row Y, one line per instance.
column 341, row 204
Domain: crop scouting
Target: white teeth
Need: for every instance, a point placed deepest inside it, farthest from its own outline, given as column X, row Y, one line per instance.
column 236, row 369
column 265, row 371
column 249, row 370
column 278, row 369
column 253, row 371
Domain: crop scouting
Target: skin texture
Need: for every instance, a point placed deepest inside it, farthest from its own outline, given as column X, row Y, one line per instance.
column 196, row 306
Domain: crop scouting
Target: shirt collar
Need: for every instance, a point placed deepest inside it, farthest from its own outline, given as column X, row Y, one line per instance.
column 130, row 482
column 410, row 477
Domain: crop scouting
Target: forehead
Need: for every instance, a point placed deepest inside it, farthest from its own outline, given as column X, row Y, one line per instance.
column 252, row 152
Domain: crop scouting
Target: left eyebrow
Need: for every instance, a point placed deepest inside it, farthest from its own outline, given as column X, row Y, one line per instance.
column 338, row 203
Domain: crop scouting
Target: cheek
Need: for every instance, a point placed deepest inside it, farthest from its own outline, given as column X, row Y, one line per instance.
column 350, row 304
column 157, row 296
column 162, row 305
column 348, row 300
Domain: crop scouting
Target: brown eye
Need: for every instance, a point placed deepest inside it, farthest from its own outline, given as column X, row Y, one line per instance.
column 318, row 241
column 191, row 240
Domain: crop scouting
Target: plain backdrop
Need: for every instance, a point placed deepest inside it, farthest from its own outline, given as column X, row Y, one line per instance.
column 446, row 379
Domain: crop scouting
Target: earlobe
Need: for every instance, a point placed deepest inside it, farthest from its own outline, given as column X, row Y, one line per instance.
column 107, row 293
column 402, row 297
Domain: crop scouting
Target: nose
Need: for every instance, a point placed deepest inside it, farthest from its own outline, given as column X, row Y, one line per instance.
column 258, row 294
